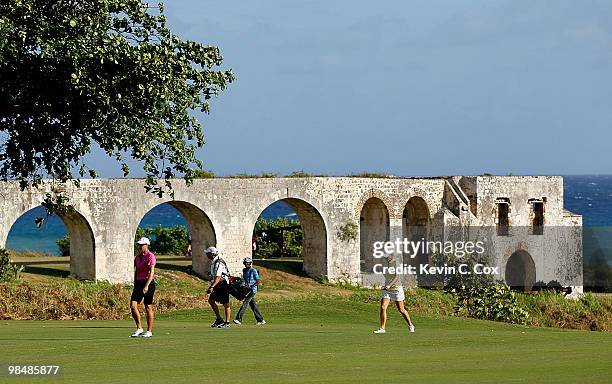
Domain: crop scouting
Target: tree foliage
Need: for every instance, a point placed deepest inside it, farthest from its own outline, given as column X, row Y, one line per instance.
column 598, row 274
column 106, row 72
column 281, row 237
column 8, row 270
column 164, row 240
column 63, row 245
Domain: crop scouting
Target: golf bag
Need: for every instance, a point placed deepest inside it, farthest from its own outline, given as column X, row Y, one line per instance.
column 237, row 287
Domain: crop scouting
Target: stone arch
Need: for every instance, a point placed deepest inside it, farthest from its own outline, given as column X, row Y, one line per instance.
column 416, row 221
column 314, row 235
column 387, row 201
column 373, row 227
column 416, row 214
column 202, row 233
column 82, row 243
column 520, row 271
column 416, row 193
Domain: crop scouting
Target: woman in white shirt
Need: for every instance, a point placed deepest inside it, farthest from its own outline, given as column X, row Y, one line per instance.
column 392, row 290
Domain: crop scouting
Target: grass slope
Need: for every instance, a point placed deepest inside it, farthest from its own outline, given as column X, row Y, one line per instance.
column 328, row 340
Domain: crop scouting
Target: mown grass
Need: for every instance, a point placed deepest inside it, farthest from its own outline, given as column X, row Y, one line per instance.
column 315, row 333
column 325, row 339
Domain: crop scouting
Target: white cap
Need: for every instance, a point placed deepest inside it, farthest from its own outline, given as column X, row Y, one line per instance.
column 143, row 241
column 212, row 250
column 247, row 260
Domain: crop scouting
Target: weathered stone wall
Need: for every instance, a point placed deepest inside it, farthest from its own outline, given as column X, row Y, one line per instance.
column 557, row 253
column 223, row 212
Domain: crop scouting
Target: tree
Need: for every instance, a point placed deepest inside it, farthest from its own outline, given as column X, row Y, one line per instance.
column 74, row 73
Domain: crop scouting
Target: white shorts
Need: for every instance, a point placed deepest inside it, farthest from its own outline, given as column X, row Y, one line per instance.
column 395, row 295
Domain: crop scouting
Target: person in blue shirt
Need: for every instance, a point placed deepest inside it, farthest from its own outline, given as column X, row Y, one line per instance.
column 251, row 279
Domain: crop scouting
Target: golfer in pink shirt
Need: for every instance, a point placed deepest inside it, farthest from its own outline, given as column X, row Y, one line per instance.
column 144, row 287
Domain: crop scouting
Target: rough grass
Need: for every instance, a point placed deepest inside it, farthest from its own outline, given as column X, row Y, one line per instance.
column 45, row 292
column 550, row 309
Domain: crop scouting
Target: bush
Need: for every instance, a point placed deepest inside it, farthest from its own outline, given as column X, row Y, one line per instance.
column 597, row 274
column 283, row 238
column 64, row 245
column 456, row 280
column 263, row 175
column 304, row 174
column 203, row 174
column 495, row 302
column 164, row 241
column 479, row 296
column 380, row 175
column 8, row 270
column 348, row 232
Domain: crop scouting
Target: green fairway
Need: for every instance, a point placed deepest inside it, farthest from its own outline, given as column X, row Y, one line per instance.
column 328, row 340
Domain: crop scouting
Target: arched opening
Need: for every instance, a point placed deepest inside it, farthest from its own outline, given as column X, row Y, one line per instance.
column 415, row 228
column 179, row 229
column 373, row 227
column 520, row 271
column 415, row 219
column 292, row 228
column 67, row 235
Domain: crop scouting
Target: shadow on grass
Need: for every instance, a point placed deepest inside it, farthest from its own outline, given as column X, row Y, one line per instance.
column 46, row 271
column 171, row 258
column 60, row 339
column 290, row 266
column 26, row 263
column 94, row 327
column 173, row 267
column 293, row 266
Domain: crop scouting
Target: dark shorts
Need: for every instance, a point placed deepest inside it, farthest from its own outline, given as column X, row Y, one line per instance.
column 221, row 293
column 137, row 294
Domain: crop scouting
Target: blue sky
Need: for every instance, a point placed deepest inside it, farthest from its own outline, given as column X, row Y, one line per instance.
column 406, row 87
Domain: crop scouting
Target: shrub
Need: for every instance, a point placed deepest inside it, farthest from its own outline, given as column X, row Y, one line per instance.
column 203, row 174
column 495, row 302
column 455, row 280
column 304, row 174
column 597, row 274
column 348, row 232
column 64, row 245
column 477, row 296
column 373, row 175
column 278, row 238
column 8, row 270
column 165, row 240
column 262, row 175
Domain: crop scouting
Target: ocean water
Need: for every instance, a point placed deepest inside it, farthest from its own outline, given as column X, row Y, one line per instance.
column 588, row 195
column 591, row 196
column 25, row 236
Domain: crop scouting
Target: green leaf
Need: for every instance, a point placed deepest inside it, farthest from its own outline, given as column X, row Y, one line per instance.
column 115, row 76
